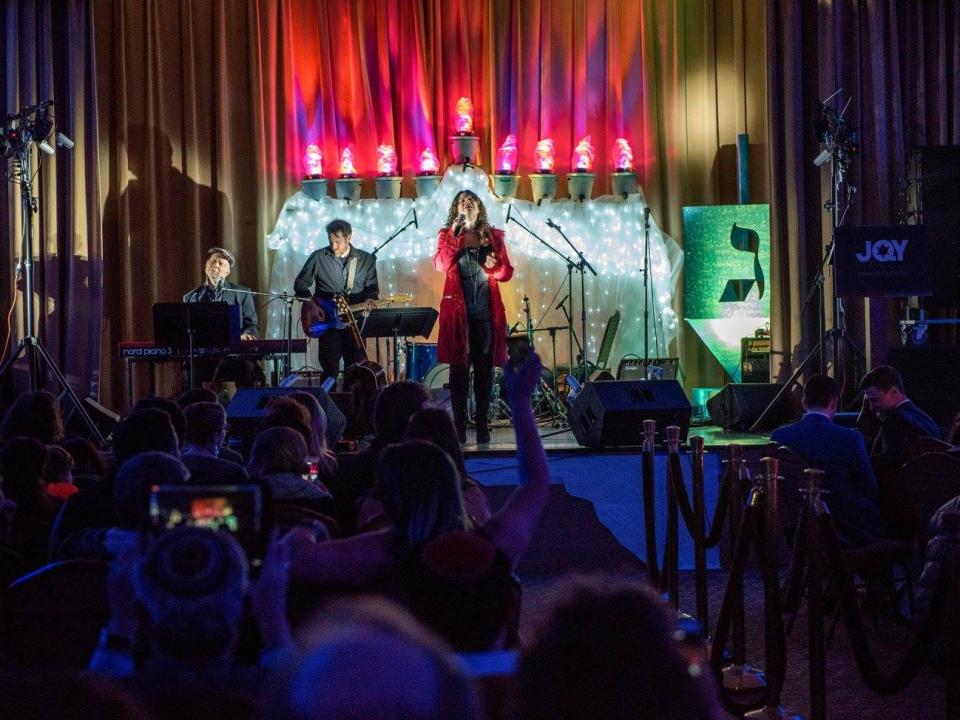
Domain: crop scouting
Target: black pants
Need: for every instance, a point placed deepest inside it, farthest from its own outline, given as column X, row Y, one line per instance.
column 335, row 344
column 480, row 355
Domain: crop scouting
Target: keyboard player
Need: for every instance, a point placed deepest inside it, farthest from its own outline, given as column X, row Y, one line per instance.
column 244, row 372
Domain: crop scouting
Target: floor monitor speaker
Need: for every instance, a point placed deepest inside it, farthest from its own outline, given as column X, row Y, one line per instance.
column 738, row 406
column 249, row 407
column 611, row 413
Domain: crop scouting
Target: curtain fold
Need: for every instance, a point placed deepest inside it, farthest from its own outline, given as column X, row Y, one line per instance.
column 47, row 48
column 898, row 64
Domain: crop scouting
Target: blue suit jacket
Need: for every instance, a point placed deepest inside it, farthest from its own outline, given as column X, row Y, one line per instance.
column 901, row 425
column 842, row 455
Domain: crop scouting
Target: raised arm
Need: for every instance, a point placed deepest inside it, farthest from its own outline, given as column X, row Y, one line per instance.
column 351, row 562
column 511, row 528
column 448, row 247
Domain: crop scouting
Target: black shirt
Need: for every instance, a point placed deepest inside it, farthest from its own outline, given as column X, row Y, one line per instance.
column 325, row 275
column 476, row 288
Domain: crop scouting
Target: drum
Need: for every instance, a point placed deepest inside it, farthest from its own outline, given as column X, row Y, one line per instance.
column 421, row 358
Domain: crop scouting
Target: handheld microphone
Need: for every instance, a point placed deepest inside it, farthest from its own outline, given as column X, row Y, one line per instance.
column 458, row 224
column 560, row 304
column 552, row 224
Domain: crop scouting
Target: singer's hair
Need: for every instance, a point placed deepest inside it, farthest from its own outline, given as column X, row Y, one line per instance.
column 482, row 227
column 339, row 226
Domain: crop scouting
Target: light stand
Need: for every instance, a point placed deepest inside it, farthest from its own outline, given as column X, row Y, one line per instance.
column 582, row 267
column 33, row 125
column 646, row 293
column 841, row 141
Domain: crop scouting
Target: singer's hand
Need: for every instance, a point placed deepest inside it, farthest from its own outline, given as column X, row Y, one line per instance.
column 247, row 336
column 490, row 261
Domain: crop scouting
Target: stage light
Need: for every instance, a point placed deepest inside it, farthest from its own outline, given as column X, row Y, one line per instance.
column 313, row 162
column 507, row 156
column 545, row 152
column 580, row 181
column 347, row 167
column 386, row 160
column 623, row 180
column 583, row 154
column 429, row 164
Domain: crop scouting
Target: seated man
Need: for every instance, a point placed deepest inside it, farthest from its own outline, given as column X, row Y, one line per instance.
column 216, row 288
column 900, row 419
column 203, row 440
column 842, row 455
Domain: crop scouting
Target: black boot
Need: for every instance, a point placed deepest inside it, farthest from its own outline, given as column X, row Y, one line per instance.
column 483, row 430
column 460, row 418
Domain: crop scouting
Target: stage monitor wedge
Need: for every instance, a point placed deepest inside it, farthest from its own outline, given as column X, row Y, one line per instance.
column 611, row 413
column 738, row 406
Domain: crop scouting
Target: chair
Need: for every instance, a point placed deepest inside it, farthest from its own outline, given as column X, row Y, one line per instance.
column 930, row 480
column 53, row 616
column 288, row 515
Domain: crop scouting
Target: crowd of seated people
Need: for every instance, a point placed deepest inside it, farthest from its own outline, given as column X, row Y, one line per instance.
column 392, row 614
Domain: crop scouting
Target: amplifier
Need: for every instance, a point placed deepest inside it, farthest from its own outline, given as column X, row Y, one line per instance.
column 755, row 359
column 631, row 368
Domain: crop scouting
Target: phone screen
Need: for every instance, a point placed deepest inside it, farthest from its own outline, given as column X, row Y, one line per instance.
column 236, row 509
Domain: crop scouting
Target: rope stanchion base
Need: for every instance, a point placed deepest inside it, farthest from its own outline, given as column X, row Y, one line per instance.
column 772, row 713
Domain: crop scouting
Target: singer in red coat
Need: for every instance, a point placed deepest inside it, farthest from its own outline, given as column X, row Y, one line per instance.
column 473, row 323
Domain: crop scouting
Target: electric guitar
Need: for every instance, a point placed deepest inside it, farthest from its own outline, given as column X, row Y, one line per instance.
column 337, row 314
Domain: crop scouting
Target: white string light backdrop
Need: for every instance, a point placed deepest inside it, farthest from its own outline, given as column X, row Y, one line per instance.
column 608, row 230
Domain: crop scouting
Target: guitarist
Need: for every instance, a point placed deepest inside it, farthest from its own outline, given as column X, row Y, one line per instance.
column 337, row 269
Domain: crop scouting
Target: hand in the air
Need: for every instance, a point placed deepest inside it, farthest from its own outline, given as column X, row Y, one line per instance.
column 521, row 382
column 247, row 336
column 490, row 261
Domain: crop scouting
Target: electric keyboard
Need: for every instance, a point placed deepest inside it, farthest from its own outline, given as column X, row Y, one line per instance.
column 147, row 350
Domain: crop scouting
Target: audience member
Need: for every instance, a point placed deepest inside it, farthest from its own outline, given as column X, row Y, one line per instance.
column 170, row 407
column 286, row 412
column 58, row 473
column 75, row 696
column 200, row 394
column 21, row 463
column 840, row 452
column 33, row 414
column 356, row 475
column 202, row 442
column 900, row 419
column 953, row 436
column 435, row 425
column 369, row 659
column 185, row 598
column 319, row 447
column 611, row 650
column 278, row 458
column 423, row 500
column 88, row 464
column 93, row 507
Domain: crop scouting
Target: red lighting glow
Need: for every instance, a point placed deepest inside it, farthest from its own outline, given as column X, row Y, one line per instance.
column 546, row 150
column 464, row 121
column 622, row 155
column 313, row 161
column 507, row 155
column 386, row 160
column 347, row 167
column 583, row 154
column 429, row 164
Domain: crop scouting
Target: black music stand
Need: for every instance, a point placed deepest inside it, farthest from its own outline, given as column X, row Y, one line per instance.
column 187, row 326
column 396, row 323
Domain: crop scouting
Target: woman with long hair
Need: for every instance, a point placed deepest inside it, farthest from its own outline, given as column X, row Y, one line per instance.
column 473, row 323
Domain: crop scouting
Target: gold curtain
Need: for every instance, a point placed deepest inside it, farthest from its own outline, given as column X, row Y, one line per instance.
column 194, row 125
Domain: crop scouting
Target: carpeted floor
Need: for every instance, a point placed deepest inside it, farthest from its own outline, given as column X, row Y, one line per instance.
column 570, row 539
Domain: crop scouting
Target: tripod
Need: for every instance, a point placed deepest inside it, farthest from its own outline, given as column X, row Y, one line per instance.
column 30, row 119
column 839, row 150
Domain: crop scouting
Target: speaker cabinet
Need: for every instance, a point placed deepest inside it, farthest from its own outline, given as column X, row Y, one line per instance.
column 738, row 406
column 249, row 406
column 611, row 414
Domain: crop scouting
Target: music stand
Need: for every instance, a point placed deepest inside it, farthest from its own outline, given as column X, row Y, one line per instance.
column 186, row 326
column 396, row 323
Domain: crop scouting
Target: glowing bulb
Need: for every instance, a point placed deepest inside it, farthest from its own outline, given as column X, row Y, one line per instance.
column 313, row 161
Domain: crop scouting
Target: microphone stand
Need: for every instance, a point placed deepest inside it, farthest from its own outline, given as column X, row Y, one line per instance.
column 393, row 236
column 581, row 266
column 646, row 293
column 570, row 265
column 288, row 321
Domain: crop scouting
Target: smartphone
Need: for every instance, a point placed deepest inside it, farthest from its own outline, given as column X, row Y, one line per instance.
column 518, row 349
column 236, row 509
column 311, row 468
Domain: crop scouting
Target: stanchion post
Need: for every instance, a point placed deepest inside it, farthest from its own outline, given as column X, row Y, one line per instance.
column 672, row 559
column 951, row 618
column 699, row 540
column 650, row 500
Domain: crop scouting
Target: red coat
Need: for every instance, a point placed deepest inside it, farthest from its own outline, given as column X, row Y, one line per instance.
column 452, row 340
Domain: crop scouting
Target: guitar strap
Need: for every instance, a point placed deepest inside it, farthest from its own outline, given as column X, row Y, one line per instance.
column 351, row 274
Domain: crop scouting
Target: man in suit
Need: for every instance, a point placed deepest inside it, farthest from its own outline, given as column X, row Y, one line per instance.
column 842, row 455
column 339, row 269
column 900, row 419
